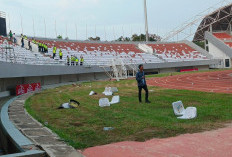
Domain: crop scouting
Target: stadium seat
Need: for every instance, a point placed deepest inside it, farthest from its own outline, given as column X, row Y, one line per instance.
column 190, row 113
column 108, row 91
column 104, row 102
column 223, row 36
column 176, row 52
column 115, row 100
column 179, row 110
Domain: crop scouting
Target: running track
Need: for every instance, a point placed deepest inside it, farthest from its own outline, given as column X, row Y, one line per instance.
column 217, row 82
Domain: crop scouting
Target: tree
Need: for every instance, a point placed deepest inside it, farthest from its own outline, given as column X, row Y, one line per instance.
column 94, row 39
column 123, row 39
column 59, row 37
column 142, row 37
column 200, row 44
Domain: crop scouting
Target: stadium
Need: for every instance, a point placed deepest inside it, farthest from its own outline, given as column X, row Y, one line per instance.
column 38, row 74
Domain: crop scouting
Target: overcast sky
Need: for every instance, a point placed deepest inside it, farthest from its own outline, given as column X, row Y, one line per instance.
column 116, row 17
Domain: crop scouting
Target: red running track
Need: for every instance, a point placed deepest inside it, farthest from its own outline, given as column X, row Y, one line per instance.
column 217, row 143
column 217, row 82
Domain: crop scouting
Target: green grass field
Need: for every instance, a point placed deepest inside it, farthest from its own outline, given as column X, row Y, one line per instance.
column 83, row 127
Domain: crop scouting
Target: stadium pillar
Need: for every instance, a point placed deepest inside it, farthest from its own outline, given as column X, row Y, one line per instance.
column 146, row 22
column 211, row 28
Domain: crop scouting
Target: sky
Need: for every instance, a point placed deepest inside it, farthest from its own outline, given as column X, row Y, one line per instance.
column 108, row 19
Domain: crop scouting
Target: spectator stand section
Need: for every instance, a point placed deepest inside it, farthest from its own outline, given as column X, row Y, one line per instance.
column 177, row 52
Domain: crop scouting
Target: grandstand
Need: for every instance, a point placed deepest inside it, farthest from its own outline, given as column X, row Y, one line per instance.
column 19, row 65
column 14, row 53
column 216, row 31
column 176, row 52
column 34, row 65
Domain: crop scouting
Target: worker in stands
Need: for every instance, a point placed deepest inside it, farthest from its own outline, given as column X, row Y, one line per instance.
column 45, row 48
column 68, row 60
column 22, row 42
column 60, row 54
column 40, row 45
column 81, row 60
column 11, row 36
column 140, row 77
column 77, row 61
column 54, row 52
column 72, row 60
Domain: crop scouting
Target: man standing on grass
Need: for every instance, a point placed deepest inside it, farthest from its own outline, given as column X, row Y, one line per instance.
column 140, row 77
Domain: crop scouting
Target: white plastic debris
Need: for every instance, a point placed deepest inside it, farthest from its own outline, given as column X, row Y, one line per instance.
column 115, row 100
column 114, row 89
column 108, row 91
column 190, row 113
column 66, row 105
column 92, row 93
column 104, row 102
column 108, row 128
column 179, row 110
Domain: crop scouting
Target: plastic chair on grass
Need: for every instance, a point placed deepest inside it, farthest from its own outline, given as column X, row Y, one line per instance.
column 179, row 110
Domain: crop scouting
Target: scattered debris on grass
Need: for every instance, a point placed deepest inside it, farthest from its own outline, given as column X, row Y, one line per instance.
column 72, row 104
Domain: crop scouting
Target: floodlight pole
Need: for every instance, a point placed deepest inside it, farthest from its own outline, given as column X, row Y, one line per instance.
column 146, row 22
column 86, row 32
column 95, row 31
column 114, row 33
column 105, row 32
column 76, row 30
column 21, row 23
column 45, row 28
column 66, row 31
column 55, row 29
column 33, row 27
column 9, row 20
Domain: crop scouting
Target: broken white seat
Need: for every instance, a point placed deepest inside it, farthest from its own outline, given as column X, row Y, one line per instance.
column 115, row 100
column 66, row 105
column 104, row 102
column 190, row 113
column 114, row 89
column 178, row 108
column 92, row 93
column 108, row 91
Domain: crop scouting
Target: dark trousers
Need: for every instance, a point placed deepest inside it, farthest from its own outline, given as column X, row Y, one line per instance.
column 54, row 55
column 140, row 91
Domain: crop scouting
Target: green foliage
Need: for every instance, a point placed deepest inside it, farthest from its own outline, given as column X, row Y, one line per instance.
column 200, row 44
column 59, row 37
column 94, row 39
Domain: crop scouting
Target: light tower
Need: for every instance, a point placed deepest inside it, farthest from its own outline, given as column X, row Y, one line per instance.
column 146, row 23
